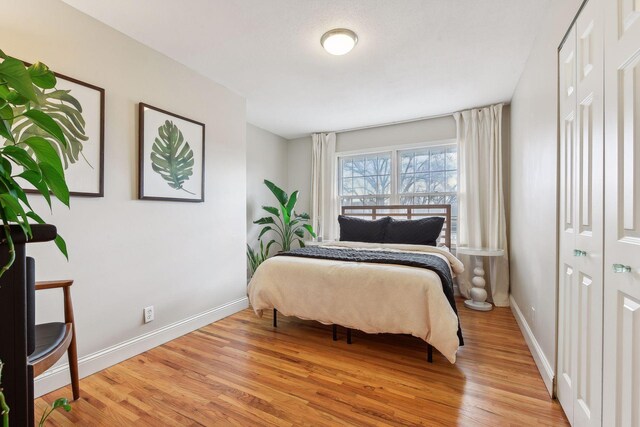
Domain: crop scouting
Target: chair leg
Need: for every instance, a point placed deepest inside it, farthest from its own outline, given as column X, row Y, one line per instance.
column 429, row 353
column 348, row 335
column 335, row 332
column 72, row 354
column 275, row 318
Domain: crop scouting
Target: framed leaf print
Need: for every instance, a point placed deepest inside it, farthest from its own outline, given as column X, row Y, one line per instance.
column 171, row 156
column 79, row 109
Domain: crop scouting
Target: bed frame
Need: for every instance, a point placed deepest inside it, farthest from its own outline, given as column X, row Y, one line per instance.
column 400, row 212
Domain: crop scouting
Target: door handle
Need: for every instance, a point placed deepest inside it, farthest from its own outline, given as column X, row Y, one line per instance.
column 621, row 268
column 578, row 252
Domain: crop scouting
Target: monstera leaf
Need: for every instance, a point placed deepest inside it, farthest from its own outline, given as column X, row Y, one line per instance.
column 61, row 106
column 172, row 157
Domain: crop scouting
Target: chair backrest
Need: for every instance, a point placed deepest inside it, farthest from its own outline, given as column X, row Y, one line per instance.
column 31, row 305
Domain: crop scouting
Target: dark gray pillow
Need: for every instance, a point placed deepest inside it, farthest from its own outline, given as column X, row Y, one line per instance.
column 362, row 230
column 425, row 231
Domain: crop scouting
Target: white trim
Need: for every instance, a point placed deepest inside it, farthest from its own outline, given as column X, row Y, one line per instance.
column 545, row 368
column 373, row 150
column 58, row 376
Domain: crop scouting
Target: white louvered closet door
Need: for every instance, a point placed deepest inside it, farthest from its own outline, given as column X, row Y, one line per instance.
column 622, row 215
column 581, row 220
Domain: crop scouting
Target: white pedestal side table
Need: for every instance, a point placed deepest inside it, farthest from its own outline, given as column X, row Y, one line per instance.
column 478, row 293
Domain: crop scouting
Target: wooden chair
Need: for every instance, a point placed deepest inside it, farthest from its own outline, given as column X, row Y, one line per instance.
column 53, row 339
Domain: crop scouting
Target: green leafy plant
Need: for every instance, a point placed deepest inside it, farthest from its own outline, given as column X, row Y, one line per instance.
column 59, row 403
column 258, row 257
column 31, row 154
column 66, row 110
column 35, row 159
column 172, row 157
column 284, row 222
column 4, row 408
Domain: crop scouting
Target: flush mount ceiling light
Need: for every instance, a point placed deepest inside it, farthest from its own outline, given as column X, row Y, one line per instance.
column 339, row 41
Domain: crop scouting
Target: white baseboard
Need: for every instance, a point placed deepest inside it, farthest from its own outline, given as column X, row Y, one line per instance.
column 58, row 376
column 545, row 368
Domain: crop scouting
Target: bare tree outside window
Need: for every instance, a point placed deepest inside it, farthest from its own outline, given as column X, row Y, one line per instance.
column 423, row 176
column 366, row 180
column 429, row 176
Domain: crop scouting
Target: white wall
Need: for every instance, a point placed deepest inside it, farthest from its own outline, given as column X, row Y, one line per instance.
column 435, row 129
column 184, row 258
column 534, row 169
column 299, row 167
column 267, row 158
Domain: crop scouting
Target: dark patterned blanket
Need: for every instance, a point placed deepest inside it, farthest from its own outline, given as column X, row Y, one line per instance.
column 419, row 260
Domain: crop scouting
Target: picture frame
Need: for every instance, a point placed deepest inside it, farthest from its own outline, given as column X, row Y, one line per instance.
column 83, row 160
column 171, row 156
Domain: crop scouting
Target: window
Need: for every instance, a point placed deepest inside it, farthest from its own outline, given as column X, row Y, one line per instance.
column 365, row 180
column 417, row 176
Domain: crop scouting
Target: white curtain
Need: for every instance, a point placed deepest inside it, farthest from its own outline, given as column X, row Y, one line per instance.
column 481, row 206
column 324, row 203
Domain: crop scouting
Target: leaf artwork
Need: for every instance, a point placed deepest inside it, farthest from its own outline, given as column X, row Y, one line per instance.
column 172, row 157
column 66, row 110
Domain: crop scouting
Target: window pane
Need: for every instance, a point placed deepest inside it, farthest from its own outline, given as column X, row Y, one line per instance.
column 366, row 175
column 347, row 186
column 406, row 200
column 422, row 162
column 358, row 167
column 437, row 159
column 371, row 185
column 407, row 163
column 384, row 166
column 452, row 181
column 358, row 186
column 436, row 200
column 371, row 164
column 452, row 159
column 437, row 183
column 406, row 184
column 384, row 181
column 421, row 183
column 347, row 165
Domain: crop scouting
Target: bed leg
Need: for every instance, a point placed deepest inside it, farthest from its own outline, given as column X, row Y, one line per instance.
column 335, row 332
column 429, row 353
column 275, row 318
column 348, row 336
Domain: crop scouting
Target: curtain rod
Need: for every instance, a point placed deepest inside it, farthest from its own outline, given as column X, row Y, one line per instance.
column 400, row 122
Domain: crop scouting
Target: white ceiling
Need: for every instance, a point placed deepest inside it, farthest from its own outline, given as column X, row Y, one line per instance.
column 414, row 58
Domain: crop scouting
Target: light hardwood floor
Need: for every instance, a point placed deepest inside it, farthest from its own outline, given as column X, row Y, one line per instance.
column 242, row 371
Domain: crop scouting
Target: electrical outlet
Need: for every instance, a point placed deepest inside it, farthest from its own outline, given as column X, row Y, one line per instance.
column 148, row 314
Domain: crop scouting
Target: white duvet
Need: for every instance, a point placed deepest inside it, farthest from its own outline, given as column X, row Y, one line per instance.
column 374, row 298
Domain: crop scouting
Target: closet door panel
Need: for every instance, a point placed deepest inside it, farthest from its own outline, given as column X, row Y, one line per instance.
column 621, row 370
column 567, row 315
column 589, row 240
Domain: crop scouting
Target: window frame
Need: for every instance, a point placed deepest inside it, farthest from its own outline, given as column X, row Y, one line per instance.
column 395, row 176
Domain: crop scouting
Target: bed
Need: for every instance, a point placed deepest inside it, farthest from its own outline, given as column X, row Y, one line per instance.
column 373, row 287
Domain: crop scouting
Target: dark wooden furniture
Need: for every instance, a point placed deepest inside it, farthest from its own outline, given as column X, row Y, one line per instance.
column 17, row 286
column 52, row 340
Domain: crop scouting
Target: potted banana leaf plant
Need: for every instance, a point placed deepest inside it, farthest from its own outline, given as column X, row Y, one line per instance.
column 32, row 143
column 288, row 226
